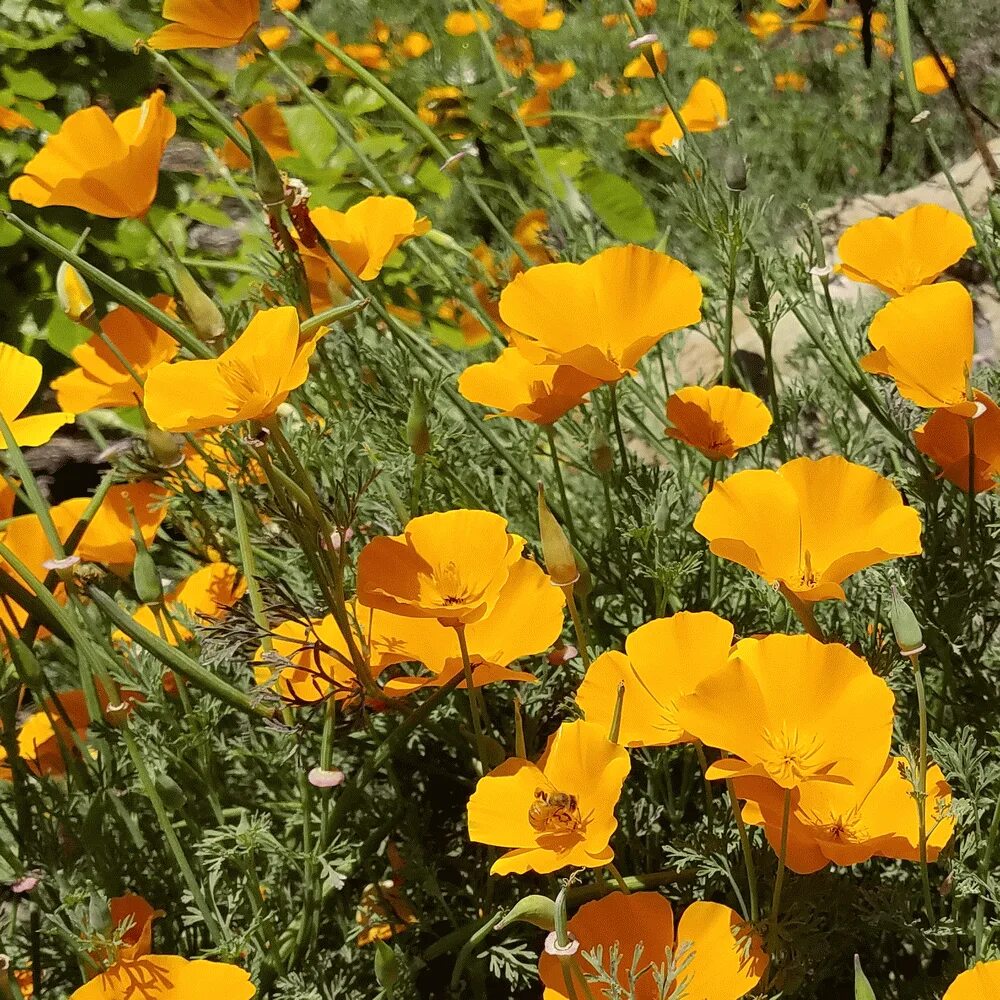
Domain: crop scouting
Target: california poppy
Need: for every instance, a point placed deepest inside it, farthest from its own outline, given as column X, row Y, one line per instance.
column 132, row 921
column 267, row 123
column 559, row 812
column 702, row 38
column 790, row 81
column 638, row 68
column 534, row 111
column 199, row 25
column 765, row 24
column 368, row 54
column 515, row 54
column 415, row 45
column 717, row 421
column 810, row 524
column 813, row 16
column 167, row 977
column 901, row 254
column 929, row 76
column 22, row 375
column 601, row 316
column 552, row 75
column 532, row 14
column 103, row 167
column 705, row 110
column 945, row 440
column 461, row 23
column 977, row 983
column 109, row 538
column 46, row 735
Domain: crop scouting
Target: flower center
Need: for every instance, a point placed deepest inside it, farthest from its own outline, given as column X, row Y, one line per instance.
column 794, row 754
column 239, row 377
column 807, row 575
column 554, row 812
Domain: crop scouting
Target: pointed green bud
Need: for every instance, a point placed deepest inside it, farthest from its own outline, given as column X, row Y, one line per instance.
column 862, row 988
column 816, row 238
column 418, row 434
column 757, row 296
column 166, row 449
column 560, row 562
column 266, row 176
column 585, row 584
column 905, row 626
column 74, row 294
column 172, row 794
column 533, row 909
column 145, row 575
column 661, row 516
column 386, row 967
column 203, row 314
column 735, row 170
column 23, row 656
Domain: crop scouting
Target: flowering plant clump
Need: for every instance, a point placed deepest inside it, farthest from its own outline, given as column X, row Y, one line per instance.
column 499, row 499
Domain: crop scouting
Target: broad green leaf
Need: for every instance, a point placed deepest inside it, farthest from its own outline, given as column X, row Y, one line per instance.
column 312, row 135
column 360, row 100
column 434, row 180
column 29, row 83
column 208, row 214
column 12, row 41
column 620, row 206
column 63, row 335
column 102, row 20
column 559, row 163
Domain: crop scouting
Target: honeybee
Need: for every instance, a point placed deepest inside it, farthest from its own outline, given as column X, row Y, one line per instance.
column 553, row 810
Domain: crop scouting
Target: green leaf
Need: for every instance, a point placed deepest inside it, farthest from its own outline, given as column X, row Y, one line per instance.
column 208, row 214
column 63, row 335
column 620, row 206
column 434, row 180
column 312, row 135
column 360, row 100
column 100, row 19
column 862, row 988
column 11, row 41
column 559, row 163
column 29, row 83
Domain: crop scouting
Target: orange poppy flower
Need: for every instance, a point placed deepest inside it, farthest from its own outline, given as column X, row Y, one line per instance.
column 559, row 812
column 368, row 54
column 794, row 710
column 552, row 75
column 901, row 254
column 248, row 381
column 137, row 937
column 924, row 341
column 717, row 421
column 268, row 124
column 641, row 137
column 167, row 977
column 11, row 120
column 531, row 14
column 705, row 110
column 101, row 380
column 844, row 823
column 639, row 68
column 103, row 167
column 601, row 316
column 717, row 953
column 7, row 499
column 415, row 45
column 198, row 25
column 455, row 313
column 44, row 735
column 977, row 983
column 534, row 111
column 645, row 8
column 540, row 394
column 790, row 81
column 22, row 375
column 944, row 439
column 108, row 539
column 764, row 25
column 273, row 39
column 209, row 464
column 810, row 524
column 461, row 23
column 702, row 38
column 451, row 566
column 383, row 912
column 515, row 53
column 929, row 76
column 813, row 16
column 663, row 660
column 532, row 228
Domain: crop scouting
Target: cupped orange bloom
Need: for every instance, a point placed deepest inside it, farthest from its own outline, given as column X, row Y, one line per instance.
column 978, row 983
column 924, row 341
column 167, row 977
column 531, row 230
column 415, row 45
column 102, row 380
column 929, row 76
column 945, row 440
column 531, row 14
column 559, row 812
column 266, row 122
column 248, row 381
column 518, row 388
column 763, row 25
column 844, row 823
column 638, row 68
column 22, row 375
column 901, row 254
column 494, row 641
column 103, row 167
column 705, row 110
column 109, row 538
column 664, row 660
column 717, row 954
column 47, row 735
column 601, row 316
column 461, row 23
column 450, row 566
column 552, row 75
column 717, row 421
column 794, row 710
column 810, row 524
column 702, row 38
column 200, row 25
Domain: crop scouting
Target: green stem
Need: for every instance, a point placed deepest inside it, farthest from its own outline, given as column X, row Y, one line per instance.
column 557, row 469
column 921, row 789
column 616, row 417
column 747, row 851
column 779, row 879
column 578, row 626
column 477, row 726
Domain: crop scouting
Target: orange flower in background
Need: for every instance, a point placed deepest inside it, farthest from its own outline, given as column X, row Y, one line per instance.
column 22, row 375
column 763, row 25
column 383, row 912
column 809, row 525
column 705, row 110
column 518, row 388
column 102, row 380
column 813, row 16
column 552, row 75
column 559, row 812
column 717, row 954
column 901, row 254
column 639, row 68
column 930, row 78
column 461, row 23
column 534, row 111
column 444, row 105
column 108, row 538
column 368, row 54
column 451, row 566
column 601, row 316
column 415, row 45
column 702, row 38
column 531, row 14
column 7, row 499
column 846, row 823
column 924, row 341
column 47, row 732
column 641, row 137
column 103, row 167
column 530, row 232
column 273, row 39
column 790, row 81
column 137, row 937
column 515, row 54
column 268, row 124
column 664, row 660
column 793, row 710
column 199, row 25
column 717, row 421
column 167, row 977
column 248, row 381
column 978, row 983
column 944, row 439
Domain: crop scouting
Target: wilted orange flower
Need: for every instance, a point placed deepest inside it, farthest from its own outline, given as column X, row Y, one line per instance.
column 601, row 316
column 248, row 381
column 552, row 75
column 793, row 710
column 705, row 110
column 717, row 953
column 945, row 440
column 199, row 25
column 101, row 380
column 790, row 81
column 702, row 38
column 167, row 977
column 515, row 53
column 764, row 25
column 383, row 912
column 558, row 812
column 901, row 254
column 518, row 388
column 846, row 823
column 415, row 45
column 532, row 14
column 924, row 341
column 977, row 983
column 929, row 75
column 717, row 421
column 22, row 375
column 534, row 111
column 810, row 524
column 663, row 660
column 103, row 167
column 268, row 124
column 44, row 736
column 639, row 68
column 461, row 23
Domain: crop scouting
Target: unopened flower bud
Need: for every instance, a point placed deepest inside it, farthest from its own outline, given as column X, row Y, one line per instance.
column 601, row 456
column 320, row 778
column 99, row 914
column 166, row 449
column 172, row 794
column 266, row 176
column 28, row 668
column 203, row 314
column 444, row 241
column 757, row 296
column 735, row 171
column 146, row 577
column 533, row 909
column 74, row 295
column 418, row 434
column 661, row 516
column 557, row 551
column 905, row 626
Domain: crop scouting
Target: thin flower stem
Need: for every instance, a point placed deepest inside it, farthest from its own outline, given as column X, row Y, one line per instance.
column 699, row 750
column 616, row 417
column 804, row 612
column 470, row 690
column 779, row 879
column 921, row 789
column 970, row 493
column 617, row 876
column 557, row 469
column 747, row 851
column 987, row 863
column 578, row 626
column 249, row 564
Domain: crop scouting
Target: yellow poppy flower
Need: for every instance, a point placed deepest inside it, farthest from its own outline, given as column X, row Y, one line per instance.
column 601, row 316
column 901, row 254
column 813, row 16
column 705, row 110
column 199, row 25
column 531, row 14
column 702, row 38
column 248, row 381
column 763, row 25
column 534, row 111
column 808, row 525
column 929, row 76
column 43, row 735
column 944, row 439
column 717, row 421
column 559, row 812
column 22, row 375
column 415, row 45
column 978, row 983
column 638, row 68
column 268, row 124
column 461, row 23
column 167, row 977
column 552, row 75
